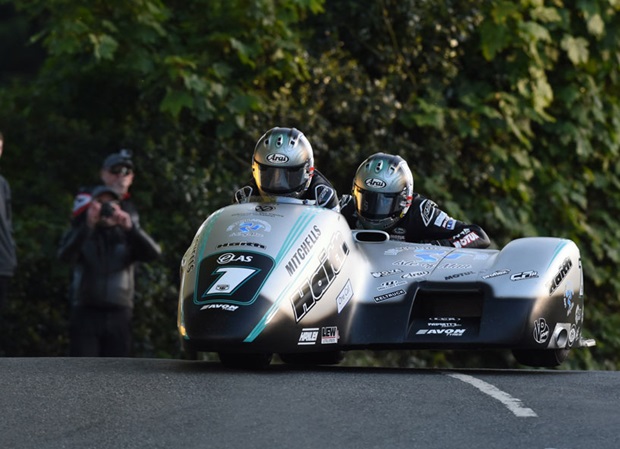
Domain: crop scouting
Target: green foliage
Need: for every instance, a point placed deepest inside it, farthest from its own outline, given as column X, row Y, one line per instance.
column 508, row 113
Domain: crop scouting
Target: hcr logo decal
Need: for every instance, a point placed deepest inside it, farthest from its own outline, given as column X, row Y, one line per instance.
column 313, row 288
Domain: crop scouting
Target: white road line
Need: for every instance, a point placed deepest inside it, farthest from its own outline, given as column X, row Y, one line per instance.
column 513, row 404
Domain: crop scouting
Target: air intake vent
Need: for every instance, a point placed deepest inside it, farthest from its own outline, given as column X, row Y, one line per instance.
column 450, row 303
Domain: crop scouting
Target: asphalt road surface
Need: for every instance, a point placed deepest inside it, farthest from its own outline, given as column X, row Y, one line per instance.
column 157, row 403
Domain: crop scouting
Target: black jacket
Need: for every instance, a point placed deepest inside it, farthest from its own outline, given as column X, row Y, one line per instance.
column 424, row 222
column 104, row 260
column 8, row 259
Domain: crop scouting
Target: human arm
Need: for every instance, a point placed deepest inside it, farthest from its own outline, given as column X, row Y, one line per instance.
column 436, row 227
column 470, row 236
column 71, row 242
column 144, row 248
column 347, row 209
column 322, row 191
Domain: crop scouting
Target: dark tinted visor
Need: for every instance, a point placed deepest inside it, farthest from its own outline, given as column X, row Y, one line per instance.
column 277, row 180
column 375, row 205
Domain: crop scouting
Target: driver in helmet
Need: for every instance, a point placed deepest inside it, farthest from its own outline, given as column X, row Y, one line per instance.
column 283, row 165
column 382, row 197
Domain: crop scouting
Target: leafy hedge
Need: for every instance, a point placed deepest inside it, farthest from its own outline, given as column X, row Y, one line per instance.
column 507, row 111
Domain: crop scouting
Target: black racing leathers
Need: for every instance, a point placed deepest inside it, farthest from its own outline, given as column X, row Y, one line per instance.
column 104, row 260
column 318, row 179
column 425, row 222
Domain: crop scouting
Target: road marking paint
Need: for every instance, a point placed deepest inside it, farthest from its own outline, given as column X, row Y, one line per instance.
column 513, row 404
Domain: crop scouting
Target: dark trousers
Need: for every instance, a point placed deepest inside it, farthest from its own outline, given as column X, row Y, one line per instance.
column 4, row 290
column 100, row 332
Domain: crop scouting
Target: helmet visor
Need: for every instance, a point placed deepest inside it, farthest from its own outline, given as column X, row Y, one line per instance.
column 376, row 205
column 281, row 180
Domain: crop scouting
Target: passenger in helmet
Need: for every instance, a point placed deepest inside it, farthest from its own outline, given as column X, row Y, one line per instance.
column 283, row 165
column 382, row 197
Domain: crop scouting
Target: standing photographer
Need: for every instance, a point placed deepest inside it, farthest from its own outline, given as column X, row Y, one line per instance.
column 104, row 243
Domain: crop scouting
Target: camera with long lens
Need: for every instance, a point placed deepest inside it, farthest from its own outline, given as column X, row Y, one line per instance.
column 107, row 210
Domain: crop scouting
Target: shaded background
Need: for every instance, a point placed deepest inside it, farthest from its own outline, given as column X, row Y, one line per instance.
column 508, row 113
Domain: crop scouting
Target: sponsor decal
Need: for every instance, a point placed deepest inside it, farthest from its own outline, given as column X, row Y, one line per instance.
column 572, row 335
column 445, row 221
column 524, row 275
column 447, row 324
column 190, row 262
column 568, row 300
column 456, row 266
column 415, row 274
column 329, row 335
column 399, row 231
column 323, row 194
column 312, row 288
column 390, row 295
column 225, row 307
column 427, row 209
column 277, row 158
column 303, row 250
column 560, row 275
column 375, row 182
column 381, row 274
column 435, row 255
column 308, row 336
column 233, row 277
column 495, row 274
column 468, row 239
column 344, row 296
column 390, row 284
column 441, row 217
column 249, row 228
column 411, row 263
column 444, row 332
column 227, row 258
column 541, row 331
column 265, row 208
column 459, row 275
column 578, row 314
column 398, row 250
column 248, row 244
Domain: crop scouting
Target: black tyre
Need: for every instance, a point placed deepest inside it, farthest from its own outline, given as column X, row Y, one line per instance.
column 547, row 358
column 245, row 361
column 314, row 358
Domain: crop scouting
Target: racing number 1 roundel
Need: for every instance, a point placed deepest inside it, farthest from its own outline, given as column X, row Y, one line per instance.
column 234, row 277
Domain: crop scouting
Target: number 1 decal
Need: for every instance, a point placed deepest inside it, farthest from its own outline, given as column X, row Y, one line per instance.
column 229, row 280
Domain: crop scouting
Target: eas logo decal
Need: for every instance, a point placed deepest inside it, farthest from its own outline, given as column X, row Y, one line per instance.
column 232, row 257
column 232, row 278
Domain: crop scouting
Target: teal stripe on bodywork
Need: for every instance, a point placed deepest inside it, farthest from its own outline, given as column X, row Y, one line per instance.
column 557, row 251
column 204, row 236
column 298, row 229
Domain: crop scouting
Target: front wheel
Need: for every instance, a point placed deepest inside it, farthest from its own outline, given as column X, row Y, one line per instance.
column 547, row 358
column 245, row 361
